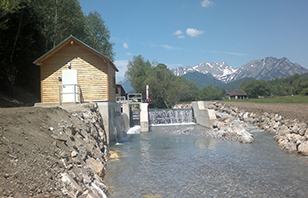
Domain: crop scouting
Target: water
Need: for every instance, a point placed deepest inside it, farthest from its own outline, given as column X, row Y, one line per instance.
column 181, row 161
column 171, row 116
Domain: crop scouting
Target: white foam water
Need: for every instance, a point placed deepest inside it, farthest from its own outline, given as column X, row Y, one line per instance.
column 134, row 130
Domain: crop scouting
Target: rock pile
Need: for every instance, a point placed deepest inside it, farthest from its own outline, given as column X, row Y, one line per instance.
column 182, row 106
column 85, row 156
column 50, row 152
column 291, row 135
column 224, row 128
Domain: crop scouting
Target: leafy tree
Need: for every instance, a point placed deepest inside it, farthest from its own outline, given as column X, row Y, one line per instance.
column 160, row 80
column 59, row 19
column 8, row 7
column 20, row 45
column 166, row 89
column 29, row 28
column 137, row 73
column 98, row 35
column 211, row 93
column 255, row 88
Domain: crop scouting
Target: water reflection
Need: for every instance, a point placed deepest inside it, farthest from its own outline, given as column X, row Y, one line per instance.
column 170, row 164
column 206, row 143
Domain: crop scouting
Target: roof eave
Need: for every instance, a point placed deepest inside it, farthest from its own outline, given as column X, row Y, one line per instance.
column 64, row 42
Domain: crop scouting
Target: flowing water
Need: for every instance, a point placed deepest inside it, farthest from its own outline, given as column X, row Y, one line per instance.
column 171, row 117
column 181, row 161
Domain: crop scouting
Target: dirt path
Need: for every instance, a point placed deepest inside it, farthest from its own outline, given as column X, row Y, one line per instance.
column 291, row 111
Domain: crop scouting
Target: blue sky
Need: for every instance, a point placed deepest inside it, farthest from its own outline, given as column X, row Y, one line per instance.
column 182, row 33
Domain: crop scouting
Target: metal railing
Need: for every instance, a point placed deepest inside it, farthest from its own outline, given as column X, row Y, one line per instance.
column 76, row 91
column 120, row 98
column 134, row 98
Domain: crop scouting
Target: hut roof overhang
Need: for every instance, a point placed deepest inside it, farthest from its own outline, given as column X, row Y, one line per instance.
column 70, row 40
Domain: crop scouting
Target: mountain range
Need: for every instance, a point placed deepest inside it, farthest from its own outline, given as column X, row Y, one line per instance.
column 221, row 74
column 267, row 68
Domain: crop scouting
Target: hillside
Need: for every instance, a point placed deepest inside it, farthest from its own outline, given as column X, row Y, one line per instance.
column 203, row 80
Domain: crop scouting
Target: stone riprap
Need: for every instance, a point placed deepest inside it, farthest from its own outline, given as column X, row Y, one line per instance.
column 52, row 152
column 85, row 164
column 291, row 135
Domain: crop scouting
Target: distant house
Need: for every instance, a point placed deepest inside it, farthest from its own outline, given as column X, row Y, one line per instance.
column 75, row 72
column 238, row 94
column 120, row 92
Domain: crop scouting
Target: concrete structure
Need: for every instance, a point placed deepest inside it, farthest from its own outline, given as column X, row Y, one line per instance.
column 202, row 114
column 144, row 118
column 126, row 109
column 109, row 112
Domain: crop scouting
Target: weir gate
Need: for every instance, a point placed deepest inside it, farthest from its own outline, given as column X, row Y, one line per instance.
column 139, row 114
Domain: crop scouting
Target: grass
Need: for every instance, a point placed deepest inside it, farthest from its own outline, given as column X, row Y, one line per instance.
column 276, row 99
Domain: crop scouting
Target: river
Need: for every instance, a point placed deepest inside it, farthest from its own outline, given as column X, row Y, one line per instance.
column 181, row 161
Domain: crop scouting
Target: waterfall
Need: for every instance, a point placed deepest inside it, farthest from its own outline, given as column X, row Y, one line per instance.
column 171, row 117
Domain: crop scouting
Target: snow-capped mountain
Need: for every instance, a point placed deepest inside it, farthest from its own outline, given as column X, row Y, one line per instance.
column 220, row 70
column 267, row 68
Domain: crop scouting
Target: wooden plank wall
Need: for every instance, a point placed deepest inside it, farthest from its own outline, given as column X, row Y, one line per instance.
column 92, row 74
column 112, row 84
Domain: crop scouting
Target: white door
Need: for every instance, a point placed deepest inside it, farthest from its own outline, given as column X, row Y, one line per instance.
column 69, row 83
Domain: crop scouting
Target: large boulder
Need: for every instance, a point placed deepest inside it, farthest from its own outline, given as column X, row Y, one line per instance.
column 96, row 166
column 303, row 148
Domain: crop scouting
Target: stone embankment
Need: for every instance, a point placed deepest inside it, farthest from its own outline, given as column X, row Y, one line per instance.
column 291, row 135
column 51, row 152
column 225, row 128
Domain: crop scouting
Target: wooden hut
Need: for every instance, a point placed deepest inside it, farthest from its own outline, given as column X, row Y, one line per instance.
column 75, row 72
column 238, row 94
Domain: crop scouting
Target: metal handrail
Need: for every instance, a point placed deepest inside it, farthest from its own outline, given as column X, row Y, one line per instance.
column 134, row 98
column 120, row 98
column 78, row 92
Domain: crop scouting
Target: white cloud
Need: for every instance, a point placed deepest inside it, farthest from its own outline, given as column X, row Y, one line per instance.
column 125, row 45
column 129, row 54
column 169, row 47
column 206, row 3
column 194, row 32
column 178, row 32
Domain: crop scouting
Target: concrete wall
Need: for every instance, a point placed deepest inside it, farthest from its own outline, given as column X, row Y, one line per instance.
column 144, row 118
column 202, row 114
column 109, row 111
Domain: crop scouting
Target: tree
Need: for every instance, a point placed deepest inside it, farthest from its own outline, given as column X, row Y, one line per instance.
column 8, row 7
column 163, row 89
column 255, row 88
column 211, row 93
column 98, row 35
column 137, row 73
column 20, row 45
column 59, row 19
column 29, row 28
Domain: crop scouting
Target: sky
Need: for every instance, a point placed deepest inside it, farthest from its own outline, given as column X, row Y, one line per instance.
column 180, row 33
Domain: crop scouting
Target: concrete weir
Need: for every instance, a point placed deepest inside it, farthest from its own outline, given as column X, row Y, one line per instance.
column 203, row 115
column 144, row 118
